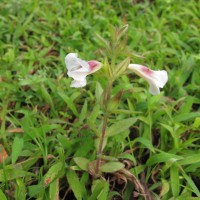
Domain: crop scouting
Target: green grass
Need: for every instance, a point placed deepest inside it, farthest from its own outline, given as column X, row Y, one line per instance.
column 50, row 131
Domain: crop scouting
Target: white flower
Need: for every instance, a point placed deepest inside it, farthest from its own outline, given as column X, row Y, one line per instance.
column 156, row 79
column 78, row 69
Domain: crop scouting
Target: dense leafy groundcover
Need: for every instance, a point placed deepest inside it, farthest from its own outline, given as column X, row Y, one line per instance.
column 48, row 130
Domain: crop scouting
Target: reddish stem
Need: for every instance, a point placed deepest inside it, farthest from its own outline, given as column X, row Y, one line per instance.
column 105, row 119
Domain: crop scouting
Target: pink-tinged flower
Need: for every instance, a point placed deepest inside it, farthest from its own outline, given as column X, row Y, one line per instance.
column 78, row 69
column 156, row 79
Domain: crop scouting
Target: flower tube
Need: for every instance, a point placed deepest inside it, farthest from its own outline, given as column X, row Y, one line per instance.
column 156, row 79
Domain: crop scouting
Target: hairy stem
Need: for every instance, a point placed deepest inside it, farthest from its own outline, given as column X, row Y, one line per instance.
column 105, row 120
column 99, row 152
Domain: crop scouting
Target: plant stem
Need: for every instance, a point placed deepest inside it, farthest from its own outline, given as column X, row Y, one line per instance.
column 105, row 119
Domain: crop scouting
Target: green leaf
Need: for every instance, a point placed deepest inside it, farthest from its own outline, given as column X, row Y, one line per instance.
column 52, row 173
column 187, row 105
column 12, row 174
column 97, row 141
column 93, row 115
column 113, row 194
column 99, row 190
column 54, row 190
column 127, row 156
column 69, row 103
column 98, row 92
column 111, row 167
column 26, row 164
column 84, row 183
column 120, row 126
column 74, row 183
column 128, row 190
column 83, row 113
column 163, row 157
column 169, row 128
column 197, row 123
column 108, row 158
column 20, row 191
column 16, row 148
column 35, row 189
column 189, row 160
column 174, row 179
column 97, row 186
column 2, row 195
column 104, row 192
column 104, row 42
column 165, row 188
column 186, row 116
column 122, row 31
column 121, row 67
column 82, row 162
column 66, row 143
column 145, row 142
column 45, row 94
column 113, row 103
column 191, row 184
column 28, row 20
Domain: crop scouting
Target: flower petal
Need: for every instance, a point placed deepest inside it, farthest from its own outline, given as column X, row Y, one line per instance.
column 156, row 79
column 94, row 66
column 78, row 84
column 78, row 69
column 84, row 64
column 153, row 89
column 78, row 75
column 73, row 62
column 160, row 77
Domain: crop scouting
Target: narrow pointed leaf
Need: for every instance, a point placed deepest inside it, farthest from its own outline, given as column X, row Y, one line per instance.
column 111, row 167
column 122, row 31
column 82, row 162
column 163, row 157
column 54, row 190
column 121, row 67
column 2, row 195
column 83, row 112
column 69, row 103
column 17, row 148
column 120, row 127
column 52, row 173
column 74, row 183
column 145, row 142
column 174, row 179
